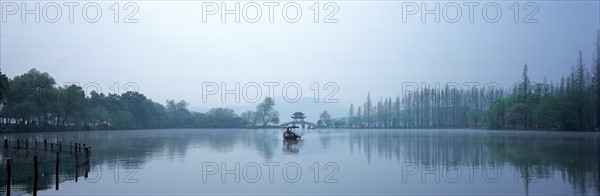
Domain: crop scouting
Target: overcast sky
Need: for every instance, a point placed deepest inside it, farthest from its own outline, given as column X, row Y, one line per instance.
column 170, row 52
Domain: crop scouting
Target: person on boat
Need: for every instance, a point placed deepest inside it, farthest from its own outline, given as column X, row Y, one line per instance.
column 288, row 133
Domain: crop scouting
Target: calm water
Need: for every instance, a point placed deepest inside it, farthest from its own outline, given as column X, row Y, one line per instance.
column 337, row 161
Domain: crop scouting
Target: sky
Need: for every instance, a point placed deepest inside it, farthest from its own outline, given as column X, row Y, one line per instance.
column 182, row 49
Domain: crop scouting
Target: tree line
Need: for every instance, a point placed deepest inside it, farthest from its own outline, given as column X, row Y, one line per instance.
column 33, row 101
column 572, row 104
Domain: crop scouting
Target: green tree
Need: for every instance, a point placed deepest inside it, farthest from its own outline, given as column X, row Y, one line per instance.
column 359, row 117
column 248, row 116
column 29, row 97
column 222, row 117
column 367, row 110
column 74, row 103
column 578, row 96
column 143, row 110
column 524, row 97
column 101, row 118
column 517, row 115
column 547, row 114
column 325, row 119
column 160, row 116
column 178, row 114
column 266, row 113
column 496, row 115
column 351, row 116
column 596, row 78
column 4, row 84
column 474, row 117
column 397, row 112
column 31, row 101
column 338, row 123
column 524, row 86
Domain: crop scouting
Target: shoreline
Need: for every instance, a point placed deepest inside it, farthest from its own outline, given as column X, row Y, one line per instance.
column 278, row 127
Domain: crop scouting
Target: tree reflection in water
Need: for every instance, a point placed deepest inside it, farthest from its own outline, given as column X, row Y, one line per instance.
column 533, row 155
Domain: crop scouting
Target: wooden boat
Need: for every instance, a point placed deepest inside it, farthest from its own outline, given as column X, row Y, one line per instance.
column 294, row 137
column 288, row 134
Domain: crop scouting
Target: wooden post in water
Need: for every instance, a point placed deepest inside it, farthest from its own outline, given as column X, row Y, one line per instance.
column 76, row 162
column 57, row 163
column 8, row 176
column 87, row 162
column 18, row 143
column 75, row 147
column 35, row 175
column 60, row 146
column 35, row 144
column 5, row 143
column 86, row 170
column 26, row 144
column 45, row 144
column 87, row 155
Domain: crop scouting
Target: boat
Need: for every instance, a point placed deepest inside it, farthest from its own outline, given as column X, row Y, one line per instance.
column 288, row 134
column 295, row 137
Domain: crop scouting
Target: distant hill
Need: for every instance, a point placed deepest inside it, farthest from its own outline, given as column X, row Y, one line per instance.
column 306, row 105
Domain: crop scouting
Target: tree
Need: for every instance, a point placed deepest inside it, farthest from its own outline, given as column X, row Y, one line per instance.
column 547, row 114
column 30, row 96
column 577, row 93
column 367, row 109
column 351, row 116
column 249, row 117
column 159, row 117
column 74, row 104
column 4, row 84
column 397, row 112
column 32, row 101
column 524, row 87
column 524, row 97
column 325, row 119
column 517, row 115
column 495, row 114
column 379, row 114
column 338, row 123
column 142, row 109
column 266, row 113
column 223, row 117
column 474, row 116
column 100, row 117
column 359, row 117
column 596, row 80
column 178, row 114
column 571, row 104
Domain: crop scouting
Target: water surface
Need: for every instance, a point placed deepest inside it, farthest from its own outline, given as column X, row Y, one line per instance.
column 331, row 161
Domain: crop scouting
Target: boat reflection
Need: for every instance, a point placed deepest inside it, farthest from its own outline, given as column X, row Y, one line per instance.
column 291, row 146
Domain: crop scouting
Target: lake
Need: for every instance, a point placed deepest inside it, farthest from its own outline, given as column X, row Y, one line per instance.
column 331, row 161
